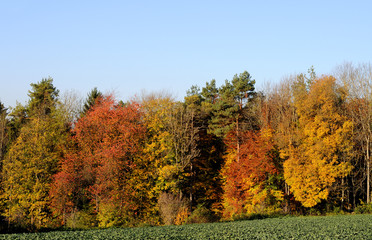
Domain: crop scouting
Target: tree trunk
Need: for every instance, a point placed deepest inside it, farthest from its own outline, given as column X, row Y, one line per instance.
column 2, row 138
column 368, row 171
column 342, row 192
column 191, row 185
column 287, row 208
column 237, row 140
column 64, row 216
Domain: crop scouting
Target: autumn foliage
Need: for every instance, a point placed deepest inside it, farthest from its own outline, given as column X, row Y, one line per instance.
column 325, row 145
column 247, row 186
column 98, row 169
column 223, row 153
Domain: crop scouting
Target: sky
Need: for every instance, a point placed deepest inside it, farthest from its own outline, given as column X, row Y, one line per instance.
column 130, row 46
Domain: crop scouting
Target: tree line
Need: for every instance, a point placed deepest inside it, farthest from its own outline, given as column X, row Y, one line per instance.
column 301, row 145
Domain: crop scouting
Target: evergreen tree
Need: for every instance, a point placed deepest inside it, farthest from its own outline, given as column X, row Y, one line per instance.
column 210, row 92
column 231, row 110
column 91, row 99
column 204, row 181
column 230, row 107
column 3, row 131
column 43, row 97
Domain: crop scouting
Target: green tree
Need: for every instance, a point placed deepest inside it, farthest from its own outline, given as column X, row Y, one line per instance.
column 91, row 99
column 209, row 95
column 43, row 97
column 4, row 140
column 231, row 112
column 17, row 119
column 210, row 92
column 3, row 131
column 204, row 182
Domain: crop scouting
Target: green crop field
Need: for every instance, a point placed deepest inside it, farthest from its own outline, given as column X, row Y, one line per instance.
column 330, row 227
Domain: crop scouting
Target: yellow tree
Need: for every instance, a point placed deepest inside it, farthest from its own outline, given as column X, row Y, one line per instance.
column 322, row 154
column 28, row 170
column 33, row 157
column 169, row 149
column 278, row 113
column 156, row 108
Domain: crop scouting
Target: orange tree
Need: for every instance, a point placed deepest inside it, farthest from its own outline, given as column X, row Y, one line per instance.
column 249, row 185
column 102, row 171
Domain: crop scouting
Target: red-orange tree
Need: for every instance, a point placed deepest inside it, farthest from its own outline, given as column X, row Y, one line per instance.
column 248, row 184
column 100, row 170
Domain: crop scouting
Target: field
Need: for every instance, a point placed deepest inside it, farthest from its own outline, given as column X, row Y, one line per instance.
column 330, row 227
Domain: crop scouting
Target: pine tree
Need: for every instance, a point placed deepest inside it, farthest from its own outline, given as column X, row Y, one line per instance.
column 3, row 131
column 43, row 97
column 93, row 96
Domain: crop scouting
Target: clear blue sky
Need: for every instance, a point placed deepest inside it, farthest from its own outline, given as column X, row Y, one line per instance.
column 127, row 46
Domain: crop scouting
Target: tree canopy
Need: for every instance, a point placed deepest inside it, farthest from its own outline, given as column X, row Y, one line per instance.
column 224, row 152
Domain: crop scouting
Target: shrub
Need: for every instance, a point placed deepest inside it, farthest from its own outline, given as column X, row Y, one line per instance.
column 81, row 220
column 363, row 208
column 335, row 211
column 201, row 215
column 170, row 205
column 108, row 216
column 251, row 216
column 182, row 216
column 262, row 215
column 314, row 212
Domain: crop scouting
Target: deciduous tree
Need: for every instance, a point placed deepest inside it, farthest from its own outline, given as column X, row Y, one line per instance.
column 323, row 152
column 102, row 169
column 33, row 157
column 249, row 185
column 358, row 83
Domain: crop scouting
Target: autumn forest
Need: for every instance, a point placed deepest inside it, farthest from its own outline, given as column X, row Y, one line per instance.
column 300, row 146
